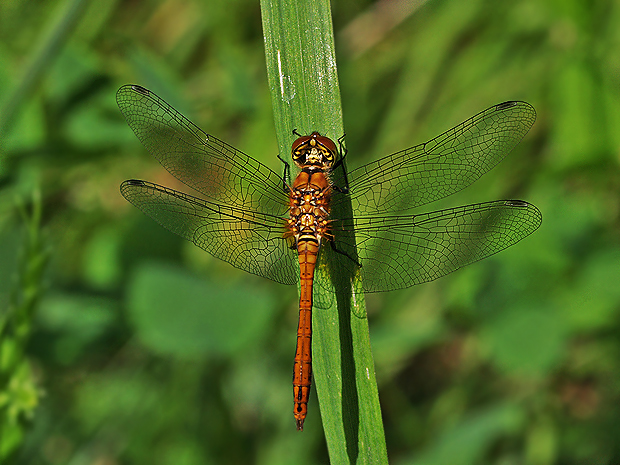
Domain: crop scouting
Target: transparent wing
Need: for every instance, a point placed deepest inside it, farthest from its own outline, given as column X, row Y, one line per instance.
column 442, row 166
column 248, row 240
column 201, row 161
column 400, row 251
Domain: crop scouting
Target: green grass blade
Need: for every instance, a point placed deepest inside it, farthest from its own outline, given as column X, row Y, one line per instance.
column 48, row 49
column 303, row 80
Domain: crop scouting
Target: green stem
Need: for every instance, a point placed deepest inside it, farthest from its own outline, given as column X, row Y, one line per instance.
column 49, row 47
column 301, row 67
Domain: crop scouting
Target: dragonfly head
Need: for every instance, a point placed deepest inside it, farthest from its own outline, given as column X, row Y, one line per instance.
column 315, row 150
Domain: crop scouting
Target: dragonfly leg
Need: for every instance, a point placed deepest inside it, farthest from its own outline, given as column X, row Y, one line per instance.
column 343, row 154
column 332, row 243
column 286, row 176
column 342, row 190
column 341, row 144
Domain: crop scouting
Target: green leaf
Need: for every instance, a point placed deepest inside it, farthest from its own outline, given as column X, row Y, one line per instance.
column 301, row 67
column 525, row 339
column 465, row 442
column 178, row 313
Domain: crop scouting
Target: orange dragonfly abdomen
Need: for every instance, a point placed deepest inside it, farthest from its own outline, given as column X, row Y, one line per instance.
column 302, row 371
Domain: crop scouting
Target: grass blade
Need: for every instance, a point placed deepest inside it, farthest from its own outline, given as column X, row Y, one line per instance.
column 303, row 80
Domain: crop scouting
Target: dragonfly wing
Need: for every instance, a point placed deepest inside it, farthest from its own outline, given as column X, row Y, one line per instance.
column 201, row 161
column 442, row 166
column 251, row 241
column 401, row 251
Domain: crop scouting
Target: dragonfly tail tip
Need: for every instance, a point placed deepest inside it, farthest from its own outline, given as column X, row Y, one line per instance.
column 300, row 424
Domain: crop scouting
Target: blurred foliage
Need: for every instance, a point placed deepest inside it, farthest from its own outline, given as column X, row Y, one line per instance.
column 19, row 394
column 150, row 351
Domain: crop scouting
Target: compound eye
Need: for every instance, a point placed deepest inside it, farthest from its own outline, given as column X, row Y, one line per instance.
column 299, row 142
column 327, row 143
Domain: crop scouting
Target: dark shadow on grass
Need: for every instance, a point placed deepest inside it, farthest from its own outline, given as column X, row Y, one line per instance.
column 350, row 398
column 343, row 266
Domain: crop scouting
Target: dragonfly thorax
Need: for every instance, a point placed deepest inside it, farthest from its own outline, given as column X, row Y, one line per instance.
column 314, row 150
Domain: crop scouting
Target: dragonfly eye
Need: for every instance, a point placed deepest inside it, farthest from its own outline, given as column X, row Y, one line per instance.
column 326, row 142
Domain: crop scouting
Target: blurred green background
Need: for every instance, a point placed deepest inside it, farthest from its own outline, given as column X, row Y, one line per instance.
column 122, row 343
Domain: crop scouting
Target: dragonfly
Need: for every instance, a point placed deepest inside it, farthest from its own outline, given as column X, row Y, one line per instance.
column 361, row 221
